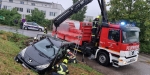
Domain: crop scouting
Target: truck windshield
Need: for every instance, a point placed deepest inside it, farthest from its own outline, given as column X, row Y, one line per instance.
column 46, row 47
column 130, row 36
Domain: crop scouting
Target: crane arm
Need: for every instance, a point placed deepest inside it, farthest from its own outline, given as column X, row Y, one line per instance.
column 67, row 13
column 78, row 6
column 103, row 10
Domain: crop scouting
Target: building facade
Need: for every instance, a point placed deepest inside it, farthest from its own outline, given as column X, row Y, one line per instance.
column 88, row 18
column 25, row 7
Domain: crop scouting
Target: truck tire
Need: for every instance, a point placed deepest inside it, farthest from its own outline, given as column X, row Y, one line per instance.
column 103, row 58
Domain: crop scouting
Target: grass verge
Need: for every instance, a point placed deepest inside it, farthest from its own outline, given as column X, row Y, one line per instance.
column 82, row 69
column 10, row 45
column 8, row 66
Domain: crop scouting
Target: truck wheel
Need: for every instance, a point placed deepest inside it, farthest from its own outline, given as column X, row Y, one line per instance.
column 103, row 58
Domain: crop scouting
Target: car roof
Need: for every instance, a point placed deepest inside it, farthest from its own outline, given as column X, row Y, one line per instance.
column 58, row 42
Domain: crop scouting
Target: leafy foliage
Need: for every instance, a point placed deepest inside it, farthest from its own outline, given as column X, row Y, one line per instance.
column 10, row 16
column 79, row 16
column 38, row 17
column 133, row 10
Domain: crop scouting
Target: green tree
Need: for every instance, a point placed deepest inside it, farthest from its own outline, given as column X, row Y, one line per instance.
column 36, row 16
column 133, row 10
column 10, row 16
column 80, row 15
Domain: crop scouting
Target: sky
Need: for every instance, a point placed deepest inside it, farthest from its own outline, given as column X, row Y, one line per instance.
column 93, row 7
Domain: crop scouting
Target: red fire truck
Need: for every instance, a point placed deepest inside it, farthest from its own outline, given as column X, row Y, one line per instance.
column 114, row 43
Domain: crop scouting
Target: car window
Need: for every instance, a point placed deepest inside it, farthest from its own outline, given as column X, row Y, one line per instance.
column 35, row 24
column 29, row 23
column 41, row 46
column 114, row 35
column 60, row 52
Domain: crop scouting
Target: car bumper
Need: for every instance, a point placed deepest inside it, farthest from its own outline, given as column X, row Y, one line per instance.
column 25, row 64
column 125, row 61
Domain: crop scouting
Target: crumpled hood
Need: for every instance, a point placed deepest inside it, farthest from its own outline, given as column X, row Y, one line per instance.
column 34, row 57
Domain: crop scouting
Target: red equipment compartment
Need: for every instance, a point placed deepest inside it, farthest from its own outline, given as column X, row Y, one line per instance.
column 73, row 35
column 61, row 30
column 86, row 28
column 68, row 32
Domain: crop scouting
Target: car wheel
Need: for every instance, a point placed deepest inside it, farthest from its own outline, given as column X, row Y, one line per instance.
column 40, row 29
column 26, row 28
column 103, row 58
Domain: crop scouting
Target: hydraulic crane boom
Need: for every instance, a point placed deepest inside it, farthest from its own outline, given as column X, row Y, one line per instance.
column 75, row 8
column 67, row 13
column 103, row 10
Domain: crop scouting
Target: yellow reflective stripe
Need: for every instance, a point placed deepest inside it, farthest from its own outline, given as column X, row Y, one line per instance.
column 77, row 50
column 93, row 35
column 61, row 71
column 96, row 44
column 74, row 61
column 53, row 67
column 64, row 64
column 74, row 57
column 67, row 70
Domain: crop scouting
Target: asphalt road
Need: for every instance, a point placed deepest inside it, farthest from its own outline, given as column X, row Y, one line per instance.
column 141, row 67
column 30, row 33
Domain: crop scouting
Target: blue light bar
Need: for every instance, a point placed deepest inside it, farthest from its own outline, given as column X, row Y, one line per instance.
column 122, row 23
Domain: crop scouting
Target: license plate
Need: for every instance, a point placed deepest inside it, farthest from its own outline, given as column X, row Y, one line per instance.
column 131, row 60
column 24, row 66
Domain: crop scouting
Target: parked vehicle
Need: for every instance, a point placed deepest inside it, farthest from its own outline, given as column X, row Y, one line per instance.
column 32, row 26
column 42, row 55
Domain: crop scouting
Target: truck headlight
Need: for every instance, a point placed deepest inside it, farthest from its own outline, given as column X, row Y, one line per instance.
column 43, row 66
column 23, row 52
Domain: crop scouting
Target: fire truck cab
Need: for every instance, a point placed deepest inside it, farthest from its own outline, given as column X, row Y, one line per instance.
column 121, row 44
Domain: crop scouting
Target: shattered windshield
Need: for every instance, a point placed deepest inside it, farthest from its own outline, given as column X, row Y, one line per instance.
column 46, row 47
column 130, row 36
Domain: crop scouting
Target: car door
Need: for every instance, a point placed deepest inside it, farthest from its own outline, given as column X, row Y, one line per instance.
column 113, row 41
column 61, row 53
column 35, row 26
column 30, row 25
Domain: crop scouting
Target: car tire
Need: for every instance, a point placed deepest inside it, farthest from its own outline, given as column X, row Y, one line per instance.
column 40, row 29
column 103, row 58
column 25, row 28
